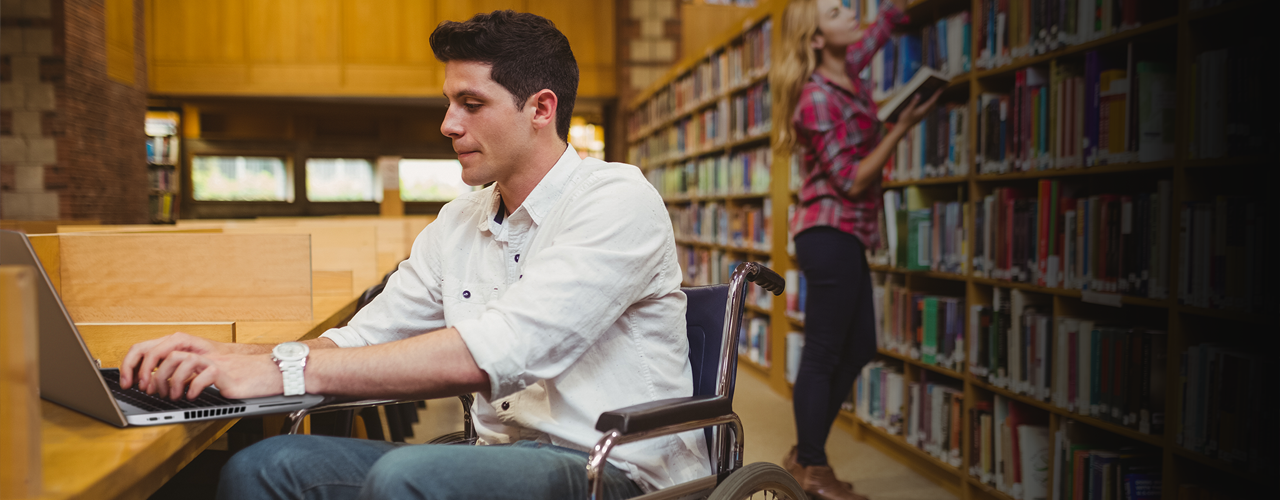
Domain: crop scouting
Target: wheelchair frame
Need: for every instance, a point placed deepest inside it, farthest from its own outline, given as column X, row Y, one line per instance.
column 657, row 418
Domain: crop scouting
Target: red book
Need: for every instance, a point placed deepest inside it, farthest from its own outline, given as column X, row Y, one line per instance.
column 1043, row 214
column 1105, row 207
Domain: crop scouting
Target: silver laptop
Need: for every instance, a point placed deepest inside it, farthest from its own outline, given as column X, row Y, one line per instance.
column 69, row 376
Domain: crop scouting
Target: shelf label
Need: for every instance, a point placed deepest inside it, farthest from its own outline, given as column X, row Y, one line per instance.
column 1106, row 299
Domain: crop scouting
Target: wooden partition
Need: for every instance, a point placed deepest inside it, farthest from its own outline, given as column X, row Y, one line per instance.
column 341, row 255
column 43, row 226
column 19, row 384
column 130, row 228
column 121, row 278
column 109, row 342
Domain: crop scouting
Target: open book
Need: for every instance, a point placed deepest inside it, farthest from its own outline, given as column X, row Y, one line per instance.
column 926, row 81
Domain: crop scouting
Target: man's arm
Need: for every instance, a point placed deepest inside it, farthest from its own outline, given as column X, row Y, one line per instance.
column 437, row 364
column 144, row 358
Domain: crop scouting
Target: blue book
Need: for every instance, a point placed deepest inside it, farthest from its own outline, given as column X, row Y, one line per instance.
column 890, row 58
column 912, row 51
column 940, row 43
column 1142, row 486
column 965, row 54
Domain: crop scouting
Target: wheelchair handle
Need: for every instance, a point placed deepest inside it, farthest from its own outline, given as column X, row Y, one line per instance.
column 766, row 278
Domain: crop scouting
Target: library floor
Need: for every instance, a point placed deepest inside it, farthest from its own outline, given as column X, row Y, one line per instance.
column 770, row 431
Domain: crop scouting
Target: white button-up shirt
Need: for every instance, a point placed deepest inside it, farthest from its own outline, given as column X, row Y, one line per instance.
column 572, row 305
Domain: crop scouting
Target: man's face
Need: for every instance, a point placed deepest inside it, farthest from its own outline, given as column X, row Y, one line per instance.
column 490, row 135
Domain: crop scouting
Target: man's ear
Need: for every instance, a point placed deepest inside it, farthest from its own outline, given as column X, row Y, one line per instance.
column 544, row 104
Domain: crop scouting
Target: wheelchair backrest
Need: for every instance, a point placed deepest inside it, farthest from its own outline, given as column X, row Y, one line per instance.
column 704, row 324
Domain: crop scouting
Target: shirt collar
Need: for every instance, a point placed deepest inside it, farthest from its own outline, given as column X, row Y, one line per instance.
column 821, row 79
column 543, row 196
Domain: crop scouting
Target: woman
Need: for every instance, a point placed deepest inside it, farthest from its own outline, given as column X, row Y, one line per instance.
column 833, row 122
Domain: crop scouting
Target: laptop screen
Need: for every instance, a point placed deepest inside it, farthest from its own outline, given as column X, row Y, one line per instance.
column 68, row 375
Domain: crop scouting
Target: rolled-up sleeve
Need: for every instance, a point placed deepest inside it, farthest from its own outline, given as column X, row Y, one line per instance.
column 604, row 256
column 409, row 305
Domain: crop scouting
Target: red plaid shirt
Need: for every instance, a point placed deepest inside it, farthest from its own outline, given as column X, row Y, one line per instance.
column 836, row 129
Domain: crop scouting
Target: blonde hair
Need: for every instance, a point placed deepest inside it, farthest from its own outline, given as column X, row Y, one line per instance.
column 799, row 59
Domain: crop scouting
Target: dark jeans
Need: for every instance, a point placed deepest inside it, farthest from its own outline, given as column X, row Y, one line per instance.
column 323, row 467
column 839, row 333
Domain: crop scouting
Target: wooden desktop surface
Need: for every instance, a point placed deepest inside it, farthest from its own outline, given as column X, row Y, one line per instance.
column 86, row 458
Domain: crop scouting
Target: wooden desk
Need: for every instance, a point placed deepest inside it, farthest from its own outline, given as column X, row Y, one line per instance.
column 83, row 457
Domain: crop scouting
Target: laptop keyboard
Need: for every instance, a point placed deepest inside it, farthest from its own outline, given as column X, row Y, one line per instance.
column 135, row 397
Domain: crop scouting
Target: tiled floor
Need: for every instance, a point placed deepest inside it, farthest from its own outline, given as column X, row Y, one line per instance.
column 770, row 432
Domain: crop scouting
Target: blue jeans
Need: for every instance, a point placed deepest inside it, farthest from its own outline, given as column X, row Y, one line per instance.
column 323, row 467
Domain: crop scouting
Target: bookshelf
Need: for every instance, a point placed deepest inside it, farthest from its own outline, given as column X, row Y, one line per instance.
column 163, row 128
column 1199, row 178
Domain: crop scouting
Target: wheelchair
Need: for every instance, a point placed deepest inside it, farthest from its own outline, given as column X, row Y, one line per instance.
column 713, row 322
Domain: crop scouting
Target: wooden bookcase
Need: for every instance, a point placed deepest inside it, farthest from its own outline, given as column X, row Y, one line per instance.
column 164, row 153
column 1186, row 33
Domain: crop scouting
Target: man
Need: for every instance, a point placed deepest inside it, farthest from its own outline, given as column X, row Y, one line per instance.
column 553, row 294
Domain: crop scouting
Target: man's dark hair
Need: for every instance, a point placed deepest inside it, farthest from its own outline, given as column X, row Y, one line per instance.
column 525, row 51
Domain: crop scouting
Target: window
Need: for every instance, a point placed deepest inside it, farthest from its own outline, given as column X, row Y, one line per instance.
column 340, row 179
column 431, row 180
column 240, row 178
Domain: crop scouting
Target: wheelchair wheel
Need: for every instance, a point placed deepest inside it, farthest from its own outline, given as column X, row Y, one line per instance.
column 761, row 480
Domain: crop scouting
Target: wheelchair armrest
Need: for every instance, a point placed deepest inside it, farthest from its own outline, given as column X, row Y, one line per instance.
column 664, row 412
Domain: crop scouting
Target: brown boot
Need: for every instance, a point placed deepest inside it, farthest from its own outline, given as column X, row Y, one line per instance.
column 797, row 471
column 819, row 481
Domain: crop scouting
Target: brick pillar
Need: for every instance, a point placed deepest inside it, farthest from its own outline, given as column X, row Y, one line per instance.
column 27, row 98
column 649, row 43
column 72, row 140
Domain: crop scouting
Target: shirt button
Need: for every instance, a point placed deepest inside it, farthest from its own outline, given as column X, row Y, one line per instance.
column 517, row 257
column 506, row 405
column 466, row 294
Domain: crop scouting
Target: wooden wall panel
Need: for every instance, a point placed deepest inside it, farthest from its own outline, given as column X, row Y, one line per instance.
column 341, row 47
column 293, row 31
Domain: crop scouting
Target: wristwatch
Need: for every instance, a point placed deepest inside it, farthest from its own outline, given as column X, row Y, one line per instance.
column 291, row 357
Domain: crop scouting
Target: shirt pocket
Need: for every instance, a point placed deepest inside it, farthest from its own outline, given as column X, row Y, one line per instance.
column 465, row 300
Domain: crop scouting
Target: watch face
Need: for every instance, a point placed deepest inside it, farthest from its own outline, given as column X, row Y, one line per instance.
column 290, row 350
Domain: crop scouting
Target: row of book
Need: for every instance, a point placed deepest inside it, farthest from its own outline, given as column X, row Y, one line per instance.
column 744, row 116
column 753, row 340
column 752, row 112
column 756, row 296
column 796, row 293
column 943, row 46
column 938, row 146
column 724, row 71
column 1112, row 110
column 928, row 328
column 742, row 226
column 164, row 207
column 1060, row 237
column 1223, row 263
column 162, row 150
column 1227, row 116
column 795, row 351
column 1112, row 373
column 1009, row 447
column 1010, row 30
column 163, row 179
column 1226, row 410
column 743, row 172
column 927, row 415
column 927, row 238
column 1095, row 471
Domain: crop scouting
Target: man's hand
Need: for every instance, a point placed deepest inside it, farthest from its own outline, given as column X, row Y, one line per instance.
column 916, row 111
column 237, row 376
